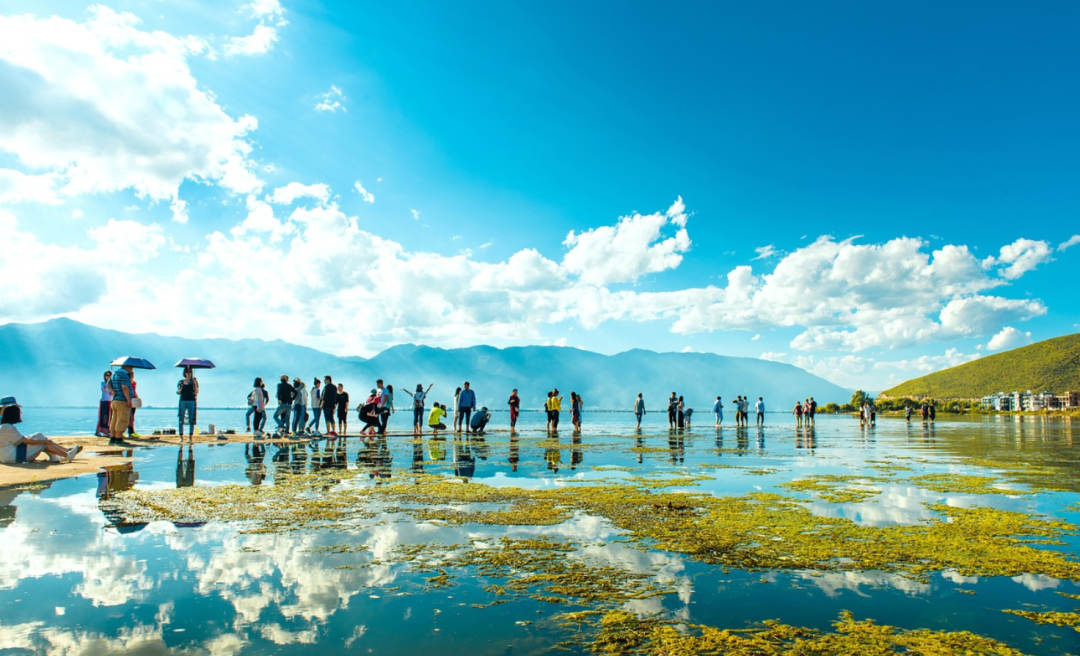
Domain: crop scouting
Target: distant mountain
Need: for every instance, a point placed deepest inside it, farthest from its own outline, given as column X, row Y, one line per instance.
column 60, row 363
column 1048, row 366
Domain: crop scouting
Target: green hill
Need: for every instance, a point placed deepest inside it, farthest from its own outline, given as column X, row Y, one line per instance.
column 1049, row 366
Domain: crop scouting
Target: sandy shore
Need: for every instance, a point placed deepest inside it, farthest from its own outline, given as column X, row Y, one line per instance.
column 97, row 453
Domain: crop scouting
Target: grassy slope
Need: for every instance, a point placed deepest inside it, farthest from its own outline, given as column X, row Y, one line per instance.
column 1049, row 366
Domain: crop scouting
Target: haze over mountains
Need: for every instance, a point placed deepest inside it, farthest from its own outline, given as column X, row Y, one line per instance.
column 60, row 363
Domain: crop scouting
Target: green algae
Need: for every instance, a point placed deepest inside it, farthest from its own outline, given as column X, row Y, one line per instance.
column 1051, row 617
column 836, row 488
column 962, row 484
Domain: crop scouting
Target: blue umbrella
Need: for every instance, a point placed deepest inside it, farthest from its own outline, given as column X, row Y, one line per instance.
column 131, row 361
column 195, row 363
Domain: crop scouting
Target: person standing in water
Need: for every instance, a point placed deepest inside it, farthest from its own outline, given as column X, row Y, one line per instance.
column 329, row 405
column 188, row 391
column 760, row 408
column 672, row 410
column 316, row 408
column 639, row 409
column 798, row 412
column 515, row 406
column 718, row 410
column 418, row 399
column 342, row 409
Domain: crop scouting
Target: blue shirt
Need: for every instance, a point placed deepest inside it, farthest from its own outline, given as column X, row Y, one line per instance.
column 467, row 399
column 120, row 379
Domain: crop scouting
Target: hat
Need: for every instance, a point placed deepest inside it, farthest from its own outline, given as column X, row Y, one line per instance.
column 484, row 408
column 9, row 401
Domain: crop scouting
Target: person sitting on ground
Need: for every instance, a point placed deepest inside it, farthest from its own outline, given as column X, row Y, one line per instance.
column 16, row 448
column 480, row 420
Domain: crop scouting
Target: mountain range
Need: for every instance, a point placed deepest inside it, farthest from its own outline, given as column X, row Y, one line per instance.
column 61, row 362
column 1052, row 365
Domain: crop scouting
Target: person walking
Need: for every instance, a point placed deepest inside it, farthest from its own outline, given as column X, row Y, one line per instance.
column 760, row 408
column 718, row 411
column 639, row 408
column 188, row 391
column 316, row 408
column 300, row 402
column 329, row 405
column 466, row 405
column 382, row 403
column 259, row 398
column 798, row 412
column 120, row 407
column 812, row 413
column 286, row 394
column 104, row 407
column 515, row 407
column 342, row 409
column 418, row 402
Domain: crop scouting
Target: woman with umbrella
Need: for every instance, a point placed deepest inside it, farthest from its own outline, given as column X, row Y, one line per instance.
column 188, row 391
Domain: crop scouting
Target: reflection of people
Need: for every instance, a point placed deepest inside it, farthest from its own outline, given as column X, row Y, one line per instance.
column 16, row 448
column 103, row 407
column 417, row 454
column 185, row 469
column 464, row 460
column 553, row 454
column 576, row 454
column 188, row 391
column 480, row 420
column 256, row 470
column 515, row 453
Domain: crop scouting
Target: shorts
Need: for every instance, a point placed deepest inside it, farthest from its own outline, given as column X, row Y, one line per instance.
column 440, row 426
column 27, row 452
column 328, row 415
column 342, row 414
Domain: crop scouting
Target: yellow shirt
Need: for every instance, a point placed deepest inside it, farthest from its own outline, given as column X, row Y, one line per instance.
column 556, row 403
column 435, row 418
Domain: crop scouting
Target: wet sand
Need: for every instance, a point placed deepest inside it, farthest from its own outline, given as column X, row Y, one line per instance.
column 98, row 453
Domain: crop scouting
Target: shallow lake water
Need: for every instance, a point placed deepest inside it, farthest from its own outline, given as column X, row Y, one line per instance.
column 78, row 577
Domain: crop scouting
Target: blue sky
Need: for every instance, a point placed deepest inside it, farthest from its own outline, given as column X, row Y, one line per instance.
column 870, row 191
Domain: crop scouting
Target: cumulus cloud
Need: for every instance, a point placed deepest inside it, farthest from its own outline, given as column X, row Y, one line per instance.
column 415, row 214
column 103, row 106
column 331, row 101
column 1008, row 338
column 1019, row 257
column 630, row 249
column 17, row 187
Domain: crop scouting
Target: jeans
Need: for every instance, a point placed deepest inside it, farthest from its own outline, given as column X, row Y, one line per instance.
column 281, row 416
column 299, row 412
column 260, row 420
column 187, row 408
column 384, row 418
column 316, row 415
column 418, row 415
column 466, row 417
column 247, row 417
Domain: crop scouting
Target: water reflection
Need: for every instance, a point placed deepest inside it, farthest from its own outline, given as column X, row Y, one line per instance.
column 255, row 454
column 185, row 468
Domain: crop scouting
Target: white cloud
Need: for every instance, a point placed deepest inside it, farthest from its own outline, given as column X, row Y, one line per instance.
column 266, row 9
column 1008, row 338
column 293, row 191
column 364, row 193
column 76, row 214
column 1069, row 243
column 179, row 210
column 764, row 252
column 17, row 187
column 331, row 101
column 755, row 338
column 259, row 42
column 1019, row 257
column 415, row 214
column 628, row 250
column 104, row 106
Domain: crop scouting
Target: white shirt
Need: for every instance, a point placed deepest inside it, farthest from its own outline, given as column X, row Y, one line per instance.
column 260, row 400
column 760, row 407
column 10, row 437
column 106, row 392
